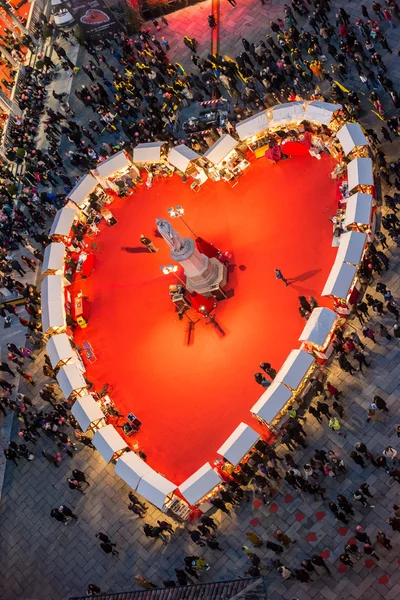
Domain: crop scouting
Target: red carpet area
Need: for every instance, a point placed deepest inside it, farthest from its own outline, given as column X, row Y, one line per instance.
column 191, row 397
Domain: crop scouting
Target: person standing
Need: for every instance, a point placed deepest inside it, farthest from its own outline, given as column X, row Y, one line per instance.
column 148, row 243
column 368, row 549
column 65, row 510
column 283, row 538
column 59, row 516
column 317, row 560
column 144, row 583
column 383, row 540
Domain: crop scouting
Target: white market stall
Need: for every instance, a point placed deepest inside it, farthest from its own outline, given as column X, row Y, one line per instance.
column 187, row 161
column 359, row 212
column 318, row 332
column 351, row 138
column 52, row 303
column 61, row 352
column 62, row 223
column 224, row 161
column 351, row 247
column 53, row 259
column 272, row 404
column 360, row 175
column 131, row 468
column 79, row 195
column 283, row 114
column 342, row 286
column 252, row 126
column 71, row 381
column 109, row 443
column 296, row 370
column 200, row 487
column 148, row 153
column 239, row 443
column 157, row 489
column 320, row 112
column 117, row 169
column 88, row 413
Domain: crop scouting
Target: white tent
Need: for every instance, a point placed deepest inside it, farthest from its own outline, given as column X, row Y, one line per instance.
column 52, row 302
column 359, row 172
column 350, row 136
column 339, row 280
column 220, row 149
column 85, row 186
column 271, row 402
column 318, row 326
column 108, row 442
column 70, row 380
column 181, row 156
column 148, row 153
column 294, row 368
column 63, row 221
column 87, row 412
column 198, row 485
column 238, row 443
column 155, row 488
column 253, row 125
column 319, row 111
column 60, row 351
column 131, row 469
column 53, row 259
column 285, row 113
column 115, row 163
column 351, row 247
column 358, row 209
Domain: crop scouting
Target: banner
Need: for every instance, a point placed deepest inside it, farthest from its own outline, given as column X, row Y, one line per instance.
column 94, row 16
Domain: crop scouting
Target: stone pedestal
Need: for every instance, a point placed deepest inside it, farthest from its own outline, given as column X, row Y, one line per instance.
column 202, row 273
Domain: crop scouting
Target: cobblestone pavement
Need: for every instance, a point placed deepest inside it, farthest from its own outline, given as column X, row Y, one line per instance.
column 43, row 560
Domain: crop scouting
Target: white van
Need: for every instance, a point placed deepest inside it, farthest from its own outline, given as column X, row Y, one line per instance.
column 62, row 16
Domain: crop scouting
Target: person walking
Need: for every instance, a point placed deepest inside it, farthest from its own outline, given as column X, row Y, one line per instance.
column 362, row 536
column 75, row 485
column 345, row 559
column 254, row 539
column 80, row 476
column 283, row 538
column 278, row 275
column 317, row 560
column 196, row 537
column 148, row 243
column 345, row 505
column 357, row 458
column 380, row 404
column 359, row 497
column 360, row 358
column 141, row 581
column 383, row 540
column 368, row 549
column 65, row 510
column 394, row 522
column 4, row 367
column 59, row 516
column 277, row 548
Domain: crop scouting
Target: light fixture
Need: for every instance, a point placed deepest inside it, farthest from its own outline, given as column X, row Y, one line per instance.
column 177, row 212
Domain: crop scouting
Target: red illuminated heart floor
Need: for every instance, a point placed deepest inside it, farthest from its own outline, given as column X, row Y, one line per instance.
column 191, row 398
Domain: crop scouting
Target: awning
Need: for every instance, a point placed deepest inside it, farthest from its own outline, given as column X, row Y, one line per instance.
column 181, row 156
column 318, row 326
column 60, row 350
column 199, row 484
column 85, row 186
column 70, row 379
column 53, row 259
column 52, row 302
column 294, row 368
column 148, row 153
column 115, row 163
column 271, row 402
column 321, row 112
column 253, row 125
column 359, row 172
column 131, row 469
column 350, row 136
column 220, row 149
column 285, row 113
column 351, row 247
column 340, row 279
column 63, row 221
column 358, row 209
column 87, row 412
column 108, row 441
column 155, row 488
column 238, row 443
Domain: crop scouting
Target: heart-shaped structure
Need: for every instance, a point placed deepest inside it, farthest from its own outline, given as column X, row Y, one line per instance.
column 94, row 16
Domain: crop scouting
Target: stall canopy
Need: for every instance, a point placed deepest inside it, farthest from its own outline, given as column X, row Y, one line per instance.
column 271, row 402
column 87, row 412
column 199, row 484
column 83, row 188
column 339, row 280
column 148, row 153
column 320, row 111
column 155, row 488
column 70, row 379
column 53, row 309
column 359, row 172
column 294, row 368
column 220, row 149
column 318, row 326
column 284, row 113
column 350, row 136
column 53, row 260
column 131, row 469
column 116, row 162
column 253, row 125
column 63, row 221
column 239, row 443
column 358, row 209
column 108, row 441
column 351, row 247
column 60, row 350
column 181, row 156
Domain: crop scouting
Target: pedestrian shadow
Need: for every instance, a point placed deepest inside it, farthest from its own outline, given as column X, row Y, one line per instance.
column 134, row 249
column 304, row 276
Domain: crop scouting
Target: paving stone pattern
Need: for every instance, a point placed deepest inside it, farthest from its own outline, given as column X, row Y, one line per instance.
column 43, row 560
